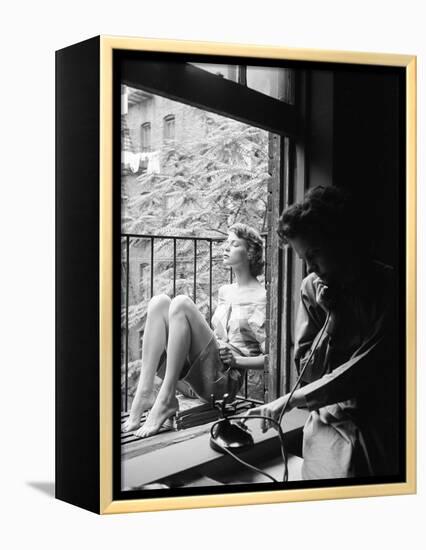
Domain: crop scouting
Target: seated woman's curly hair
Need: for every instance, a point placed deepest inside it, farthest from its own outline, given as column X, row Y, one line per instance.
column 326, row 214
column 254, row 246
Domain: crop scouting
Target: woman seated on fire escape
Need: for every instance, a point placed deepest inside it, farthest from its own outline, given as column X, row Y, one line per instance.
column 180, row 347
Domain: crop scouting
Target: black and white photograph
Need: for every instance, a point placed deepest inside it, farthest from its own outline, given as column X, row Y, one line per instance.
column 260, row 261
column 213, row 299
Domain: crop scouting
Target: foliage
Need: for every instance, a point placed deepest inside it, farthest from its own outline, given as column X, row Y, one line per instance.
column 204, row 185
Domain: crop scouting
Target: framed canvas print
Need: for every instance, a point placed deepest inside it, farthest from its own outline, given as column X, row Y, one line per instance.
column 235, row 288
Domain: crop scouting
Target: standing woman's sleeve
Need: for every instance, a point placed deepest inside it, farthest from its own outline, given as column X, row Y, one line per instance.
column 309, row 323
column 372, row 368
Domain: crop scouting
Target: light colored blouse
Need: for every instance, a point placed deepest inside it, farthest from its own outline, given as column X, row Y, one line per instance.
column 239, row 319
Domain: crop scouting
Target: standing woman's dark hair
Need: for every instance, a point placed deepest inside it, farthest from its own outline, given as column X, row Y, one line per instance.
column 327, row 214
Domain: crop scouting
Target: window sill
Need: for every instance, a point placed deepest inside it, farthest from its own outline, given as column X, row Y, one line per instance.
column 153, row 461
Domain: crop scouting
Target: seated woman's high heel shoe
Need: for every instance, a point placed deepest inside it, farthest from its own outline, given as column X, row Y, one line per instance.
column 168, row 424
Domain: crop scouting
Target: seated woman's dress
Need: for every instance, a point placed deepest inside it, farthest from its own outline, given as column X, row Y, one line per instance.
column 238, row 323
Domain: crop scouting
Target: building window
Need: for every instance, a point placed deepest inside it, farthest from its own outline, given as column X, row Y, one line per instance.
column 146, row 137
column 169, row 127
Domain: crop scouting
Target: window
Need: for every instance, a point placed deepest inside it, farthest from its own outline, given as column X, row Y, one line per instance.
column 275, row 82
column 272, row 81
column 146, row 137
column 243, row 157
column 230, row 72
column 169, row 127
column 266, row 159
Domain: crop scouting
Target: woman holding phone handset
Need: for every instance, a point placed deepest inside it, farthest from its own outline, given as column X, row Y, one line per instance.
column 345, row 343
column 180, row 347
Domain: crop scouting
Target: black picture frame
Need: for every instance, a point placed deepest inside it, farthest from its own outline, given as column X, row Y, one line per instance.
column 88, row 462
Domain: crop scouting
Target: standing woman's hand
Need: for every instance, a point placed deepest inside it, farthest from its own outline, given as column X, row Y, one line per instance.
column 325, row 296
column 270, row 410
column 340, row 322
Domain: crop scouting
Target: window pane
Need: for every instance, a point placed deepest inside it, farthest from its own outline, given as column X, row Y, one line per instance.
column 275, row 82
column 203, row 172
column 229, row 72
column 272, row 81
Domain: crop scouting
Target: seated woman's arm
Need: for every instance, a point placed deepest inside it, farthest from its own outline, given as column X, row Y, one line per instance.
column 229, row 359
column 256, row 363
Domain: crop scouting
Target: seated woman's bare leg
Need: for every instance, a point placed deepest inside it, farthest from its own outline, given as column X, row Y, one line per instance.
column 153, row 345
column 189, row 334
